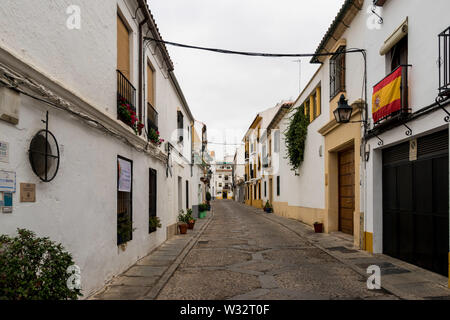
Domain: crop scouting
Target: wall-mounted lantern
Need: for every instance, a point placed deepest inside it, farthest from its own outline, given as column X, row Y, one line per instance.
column 343, row 112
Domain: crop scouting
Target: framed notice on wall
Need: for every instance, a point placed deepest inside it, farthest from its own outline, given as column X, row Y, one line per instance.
column 124, row 169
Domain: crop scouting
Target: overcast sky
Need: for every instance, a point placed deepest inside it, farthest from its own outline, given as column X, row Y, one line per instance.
column 226, row 91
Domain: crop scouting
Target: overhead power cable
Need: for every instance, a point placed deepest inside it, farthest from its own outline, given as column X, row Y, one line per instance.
column 252, row 54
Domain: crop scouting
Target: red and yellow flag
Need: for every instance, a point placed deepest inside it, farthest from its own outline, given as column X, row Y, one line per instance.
column 386, row 97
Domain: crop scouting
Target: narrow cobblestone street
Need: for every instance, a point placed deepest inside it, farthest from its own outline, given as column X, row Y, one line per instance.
column 243, row 255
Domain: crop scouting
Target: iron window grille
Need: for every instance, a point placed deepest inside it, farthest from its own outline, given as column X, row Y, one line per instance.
column 444, row 63
column 337, row 72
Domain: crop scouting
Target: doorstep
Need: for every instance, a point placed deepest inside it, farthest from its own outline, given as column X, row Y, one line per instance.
column 400, row 278
column 146, row 278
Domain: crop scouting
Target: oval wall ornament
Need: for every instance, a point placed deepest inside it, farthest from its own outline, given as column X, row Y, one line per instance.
column 44, row 154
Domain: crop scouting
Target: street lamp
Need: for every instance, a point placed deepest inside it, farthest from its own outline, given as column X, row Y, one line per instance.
column 343, row 112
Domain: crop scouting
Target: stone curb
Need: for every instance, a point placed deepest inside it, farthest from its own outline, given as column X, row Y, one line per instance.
column 153, row 293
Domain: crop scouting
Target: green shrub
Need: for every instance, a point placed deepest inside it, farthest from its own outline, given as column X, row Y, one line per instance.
column 34, row 268
column 295, row 136
column 202, row 207
column 208, row 196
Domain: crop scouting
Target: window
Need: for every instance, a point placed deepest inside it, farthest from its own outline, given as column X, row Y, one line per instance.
column 220, row 185
column 123, row 48
column 187, row 194
column 150, row 85
column 259, row 190
column 399, row 54
column 220, row 177
column 276, row 143
column 152, row 114
column 337, row 72
column 278, row 186
column 254, row 194
column 180, row 125
column 124, row 200
column 152, row 195
column 226, row 178
column 312, row 105
column 265, row 189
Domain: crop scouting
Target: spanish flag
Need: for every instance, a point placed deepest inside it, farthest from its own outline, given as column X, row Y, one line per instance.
column 386, row 97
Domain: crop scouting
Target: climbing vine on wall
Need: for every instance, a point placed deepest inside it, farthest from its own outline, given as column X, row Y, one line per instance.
column 296, row 137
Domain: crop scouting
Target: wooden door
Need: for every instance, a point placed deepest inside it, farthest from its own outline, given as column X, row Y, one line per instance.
column 346, row 190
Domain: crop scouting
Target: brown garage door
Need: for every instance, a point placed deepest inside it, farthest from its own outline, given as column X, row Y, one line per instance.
column 346, row 190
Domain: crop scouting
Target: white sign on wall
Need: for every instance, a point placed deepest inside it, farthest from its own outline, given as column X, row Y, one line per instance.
column 4, row 152
column 7, row 181
column 124, row 175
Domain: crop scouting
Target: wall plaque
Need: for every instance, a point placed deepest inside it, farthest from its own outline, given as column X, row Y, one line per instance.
column 27, row 192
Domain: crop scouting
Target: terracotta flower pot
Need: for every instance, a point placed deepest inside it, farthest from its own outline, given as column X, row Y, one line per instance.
column 318, row 227
column 183, row 228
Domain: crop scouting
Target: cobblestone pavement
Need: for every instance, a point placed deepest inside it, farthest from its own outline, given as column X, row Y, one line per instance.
column 243, row 255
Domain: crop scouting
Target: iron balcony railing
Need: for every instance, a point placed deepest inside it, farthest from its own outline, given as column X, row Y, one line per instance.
column 444, row 63
column 152, row 117
column 125, row 89
column 126, row 93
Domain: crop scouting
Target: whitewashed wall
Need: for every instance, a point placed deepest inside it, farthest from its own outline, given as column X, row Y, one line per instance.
column 79, row 208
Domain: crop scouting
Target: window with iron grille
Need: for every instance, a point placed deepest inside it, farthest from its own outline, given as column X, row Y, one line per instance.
column 278, row 186
column 187, row 194
column 337, row 72
column 152, row 196
column 444, row 63
column 124, row 200
column 265, row 188
column 180, row 125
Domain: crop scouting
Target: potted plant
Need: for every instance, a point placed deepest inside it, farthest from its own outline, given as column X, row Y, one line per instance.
column 268, row 207
column 127, row 114
column 153, row 136
column 318, row 227
column 153, row 224
column 190, row 219
column 202, row 208
column 182, row 222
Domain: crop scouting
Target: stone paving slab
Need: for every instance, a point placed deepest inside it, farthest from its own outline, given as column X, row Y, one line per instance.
column 398, row 277
column 147, row 276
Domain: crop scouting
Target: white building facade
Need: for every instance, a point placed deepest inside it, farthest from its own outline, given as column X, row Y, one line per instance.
column 105, row 173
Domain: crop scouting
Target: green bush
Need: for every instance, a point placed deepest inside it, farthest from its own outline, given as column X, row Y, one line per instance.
column 202, row 207
column 208, row 196
column 34, row 268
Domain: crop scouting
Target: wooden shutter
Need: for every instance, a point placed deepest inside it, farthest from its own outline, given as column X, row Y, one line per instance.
column 123, row 48
column 152, row 193
column 318, row 101
column 150, row 88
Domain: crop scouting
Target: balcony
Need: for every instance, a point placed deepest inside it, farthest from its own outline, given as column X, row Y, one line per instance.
column 390, row 97
column 126, row 101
